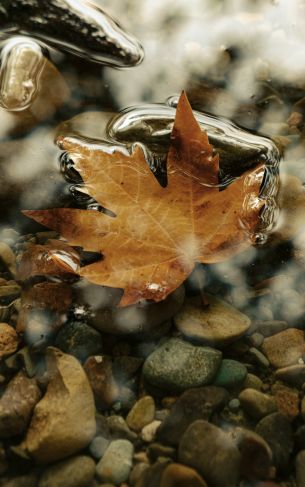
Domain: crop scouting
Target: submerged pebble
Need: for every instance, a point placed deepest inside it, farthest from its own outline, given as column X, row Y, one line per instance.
column 75, row 472
column 285, row 348
column 116, row 463
column 177, row 365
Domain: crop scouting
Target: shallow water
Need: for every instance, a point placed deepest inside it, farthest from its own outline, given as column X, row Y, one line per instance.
column 242, row 64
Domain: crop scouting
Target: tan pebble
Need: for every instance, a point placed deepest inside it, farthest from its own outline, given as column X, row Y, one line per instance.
column 141, row 414
column 285, row 348
column 8, row 340
column 148, row 433
column 176, row 475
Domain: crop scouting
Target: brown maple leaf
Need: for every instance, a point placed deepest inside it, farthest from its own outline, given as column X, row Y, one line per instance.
column 157, row 234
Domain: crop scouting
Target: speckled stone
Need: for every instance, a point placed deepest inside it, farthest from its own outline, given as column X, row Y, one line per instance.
column 116, row 463
column 177, row 365
column 216, row 325
column 79, row 339
column 230, row 374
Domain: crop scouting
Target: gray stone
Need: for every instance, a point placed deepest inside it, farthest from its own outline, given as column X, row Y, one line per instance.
column 75, row 472
column 177, row 365
column 217, row 324
column 118, row 428
column 271, row 327
column 258, row 358
column 116, row 463
column 253, row 382
column 212, row 452
column 256, row 404
column 98, row 446
column 255, row 340
column 193, row 404
column 277, row 432
column 300, row 468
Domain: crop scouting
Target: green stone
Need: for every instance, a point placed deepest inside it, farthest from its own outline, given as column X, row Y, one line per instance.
column 230, row 374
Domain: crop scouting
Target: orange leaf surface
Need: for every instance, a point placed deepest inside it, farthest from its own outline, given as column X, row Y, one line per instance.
column 157, row 234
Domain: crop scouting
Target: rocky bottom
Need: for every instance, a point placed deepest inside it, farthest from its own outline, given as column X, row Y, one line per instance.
column 188, row 393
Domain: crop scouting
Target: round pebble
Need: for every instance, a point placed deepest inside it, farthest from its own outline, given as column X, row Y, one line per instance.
column 141, row 414
column 116, row 463
column 230, row 374
column 75, row 472
column 217, row 324
column 98, row 446
column 177, row 365
column 285, row 348
column 256, row 404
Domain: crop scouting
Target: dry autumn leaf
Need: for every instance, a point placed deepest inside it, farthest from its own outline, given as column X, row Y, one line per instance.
column 157, row 234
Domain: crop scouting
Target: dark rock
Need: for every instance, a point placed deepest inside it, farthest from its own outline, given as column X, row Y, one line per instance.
column 176, row 475
column 230, row 374
column 293, row 374
column 99, row 372
column 17, row 405
column 156, row 450
column 212, row 452
column 198, row 403
column 79, row 339
column 151, row 476
column 277, row 432
column 300, row 437
column 300, row 468
column 177, row 365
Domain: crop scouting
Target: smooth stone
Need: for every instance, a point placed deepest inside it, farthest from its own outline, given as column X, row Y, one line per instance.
column 212, row 453
column 277, row 432
column 234, row 405
column 303, row 407
column 285, row 348
column 75, row 472
column 118, row 428
column 17, row 404
column 253, row 382
column 300, row 468
column 63, row 421
column 99, row 370
column 293, row 374
column 255, row 340
column 287, row 400
column 176, row 475
column 177, row 365
column 258, row 358
column 137, row 472
column 8, row 340
column 257, row 404
column 193, row 404
column 148, row 433
column 230, row 374
column 79, row 339
column 142, row 320
column 156, row 450
column 271, row 327
column 151, row 476
column 256, row 455
column 98, row 446
column 116, row 463
column 141, row 414
column 217, row 324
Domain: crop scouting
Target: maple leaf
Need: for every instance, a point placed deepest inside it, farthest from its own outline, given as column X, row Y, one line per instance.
column 156, row 235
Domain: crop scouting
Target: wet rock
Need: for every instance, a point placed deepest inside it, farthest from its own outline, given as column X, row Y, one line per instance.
column 99, row 371
column 98, row 446
column 177, row 365
column 255, row 340
column 300, row 437
column 141, row 320
column 17, row 404
column 287, row 400
column 118, row 428
column 277, row 432
column 125, row 367
column 253, row 382
column 198, row 403
column 176, row 475
column 149, row 431
column 258, row 358
column 217, row 325
column 156, row 450
column 293, row 374
column 79, row 339
column 285, row 348
column 271, row 327
column 141, row 414
column 230, row 374
column 151, row 476
column 300, row 468
column 256, row 455
column 256, row 404
column 8, row 340
column 116, row 463
column 75, row 472
column 210, row 451
column 137, row 472
column 64, row 420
